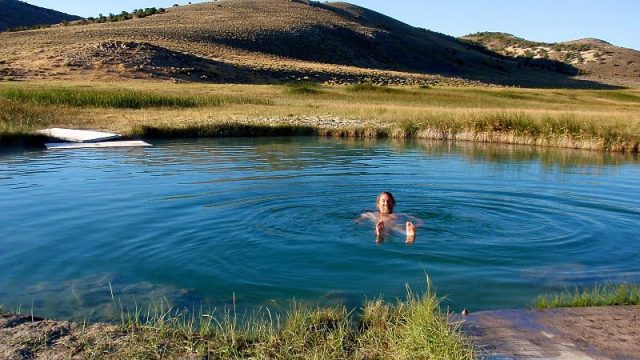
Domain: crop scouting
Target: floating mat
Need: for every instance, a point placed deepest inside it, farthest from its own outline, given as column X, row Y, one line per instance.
column 80, row 136
column 76, row 145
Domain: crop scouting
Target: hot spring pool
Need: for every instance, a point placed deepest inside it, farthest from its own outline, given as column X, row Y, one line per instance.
column 260, row 221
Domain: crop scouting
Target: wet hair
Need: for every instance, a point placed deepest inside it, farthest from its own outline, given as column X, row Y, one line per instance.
column 393, row 200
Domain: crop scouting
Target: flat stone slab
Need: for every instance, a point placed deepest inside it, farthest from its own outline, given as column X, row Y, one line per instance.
column 102, row 144
column 76, row 135
column 608, row 332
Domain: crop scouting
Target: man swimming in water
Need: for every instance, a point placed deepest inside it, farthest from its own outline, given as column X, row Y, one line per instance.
column 386, row 220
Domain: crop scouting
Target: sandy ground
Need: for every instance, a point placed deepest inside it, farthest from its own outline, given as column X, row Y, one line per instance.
column 565, row 333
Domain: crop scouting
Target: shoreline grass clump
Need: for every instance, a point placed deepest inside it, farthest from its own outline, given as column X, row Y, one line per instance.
column 413, row 328
column 600, row 295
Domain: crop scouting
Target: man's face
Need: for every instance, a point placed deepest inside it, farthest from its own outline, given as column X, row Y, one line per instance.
column 385, row 204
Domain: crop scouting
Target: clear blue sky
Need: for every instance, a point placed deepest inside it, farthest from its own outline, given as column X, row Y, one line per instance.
column 615, row 21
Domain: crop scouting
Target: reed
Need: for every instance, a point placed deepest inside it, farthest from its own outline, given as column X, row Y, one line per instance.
column 600, row 295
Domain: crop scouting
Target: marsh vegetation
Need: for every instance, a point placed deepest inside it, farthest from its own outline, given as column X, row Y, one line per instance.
column 589, row 119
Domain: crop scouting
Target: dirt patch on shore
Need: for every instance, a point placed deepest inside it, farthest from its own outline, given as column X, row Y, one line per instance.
column 27, row 337
column 566, row 333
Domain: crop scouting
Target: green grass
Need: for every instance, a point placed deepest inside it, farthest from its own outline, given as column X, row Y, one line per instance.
column 118, row 98
column 413, row 328
column 599, row 295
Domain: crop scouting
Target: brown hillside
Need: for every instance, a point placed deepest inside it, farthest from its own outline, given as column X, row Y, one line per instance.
column 597, row 60
column 266, row 41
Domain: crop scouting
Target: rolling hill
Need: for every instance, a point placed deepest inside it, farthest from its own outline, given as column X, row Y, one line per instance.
column 270, row 41
column 17, row 14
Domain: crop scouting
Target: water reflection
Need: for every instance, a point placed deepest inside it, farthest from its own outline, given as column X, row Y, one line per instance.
column 290, row 153
column 562, row 159
column 295, row 153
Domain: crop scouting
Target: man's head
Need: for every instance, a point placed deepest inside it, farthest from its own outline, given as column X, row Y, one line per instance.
column 385, row 202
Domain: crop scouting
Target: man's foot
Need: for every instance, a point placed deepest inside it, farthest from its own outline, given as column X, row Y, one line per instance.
column 411, row 232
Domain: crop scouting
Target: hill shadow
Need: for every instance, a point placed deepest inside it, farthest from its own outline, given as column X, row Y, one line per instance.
column 144, row 60
column 390, row 52
column 342, row 46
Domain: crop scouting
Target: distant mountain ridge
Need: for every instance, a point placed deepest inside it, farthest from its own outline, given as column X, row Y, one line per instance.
column 271, row 41
column 17, row 14
column 594, row 58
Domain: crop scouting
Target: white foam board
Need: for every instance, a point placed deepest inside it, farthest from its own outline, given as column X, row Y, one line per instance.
column 76, row 135
column 103, row 144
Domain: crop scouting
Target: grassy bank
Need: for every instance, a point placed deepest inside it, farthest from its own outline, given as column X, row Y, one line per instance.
column 414, row 328
column 599, row 295
column 589, row 119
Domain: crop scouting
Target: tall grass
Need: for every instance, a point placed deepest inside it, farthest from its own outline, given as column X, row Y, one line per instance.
column 414, row 328
column 411, row 329
column 600, row 295
column 119, row 98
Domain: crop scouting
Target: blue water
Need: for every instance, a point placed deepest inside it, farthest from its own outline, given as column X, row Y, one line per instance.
column 216, row 223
